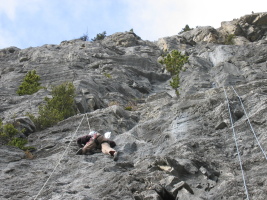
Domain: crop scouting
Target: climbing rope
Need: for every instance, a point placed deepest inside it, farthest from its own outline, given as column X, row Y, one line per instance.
column 236, row 144
column 250, row 124
column 60, row 158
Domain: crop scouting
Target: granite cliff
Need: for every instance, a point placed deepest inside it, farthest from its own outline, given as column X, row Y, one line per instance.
column 170, row 147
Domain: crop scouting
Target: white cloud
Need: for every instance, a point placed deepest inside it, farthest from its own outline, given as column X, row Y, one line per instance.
column 9, row 8
column 13, row 30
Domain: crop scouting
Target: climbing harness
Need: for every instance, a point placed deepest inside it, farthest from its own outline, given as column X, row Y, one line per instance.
column 63, row 154
column 236, row 144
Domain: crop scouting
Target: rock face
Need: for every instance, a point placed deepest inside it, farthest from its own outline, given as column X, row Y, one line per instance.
column 170, row 147
column 247, row 29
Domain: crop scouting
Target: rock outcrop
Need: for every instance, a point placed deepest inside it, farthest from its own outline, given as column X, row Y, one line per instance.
column 170, row 147
column 247, row 29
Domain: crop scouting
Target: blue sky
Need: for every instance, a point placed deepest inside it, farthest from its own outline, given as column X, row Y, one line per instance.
column 31, row 23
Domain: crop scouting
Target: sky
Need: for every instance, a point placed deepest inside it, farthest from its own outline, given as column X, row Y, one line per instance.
column 32, row 23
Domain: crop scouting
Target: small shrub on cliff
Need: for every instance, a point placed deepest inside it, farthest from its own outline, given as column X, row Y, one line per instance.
column 131, row 105
column 174, row 63
column 85, row 37
column 185, row 29
column 8, row 136
column 132, row 31
column 7, row 132
column 58, row 108
column 107, row 75
column 30, row 84
column 129, row 108
column 100, row 36
column 18, row 142
column 229, row 39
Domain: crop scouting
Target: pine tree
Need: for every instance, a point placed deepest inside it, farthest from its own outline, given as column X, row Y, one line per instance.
column 30, row 84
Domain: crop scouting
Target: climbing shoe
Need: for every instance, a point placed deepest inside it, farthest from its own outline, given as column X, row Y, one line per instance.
column 115, row 156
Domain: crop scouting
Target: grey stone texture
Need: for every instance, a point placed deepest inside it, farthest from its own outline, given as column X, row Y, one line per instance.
column 170, row 147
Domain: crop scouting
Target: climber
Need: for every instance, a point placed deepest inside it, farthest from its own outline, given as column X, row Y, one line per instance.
column 93, row 142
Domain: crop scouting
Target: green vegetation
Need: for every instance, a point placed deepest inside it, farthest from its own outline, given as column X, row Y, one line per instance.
column 100, row 36
column 9, row 136
column 30, row 84
column 58, row 108
column 174, row 63
column 185, row 29
column 131, row 106
column 85, row 37
column 7, row 132
column 229, row 39
column 132, row 31
column 107, row 75
column 19, row 142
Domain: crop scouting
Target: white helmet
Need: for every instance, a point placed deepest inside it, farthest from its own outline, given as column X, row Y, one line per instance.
column 92, row 132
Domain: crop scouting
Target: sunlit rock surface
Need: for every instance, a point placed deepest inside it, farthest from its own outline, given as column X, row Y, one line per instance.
column 170, row 147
